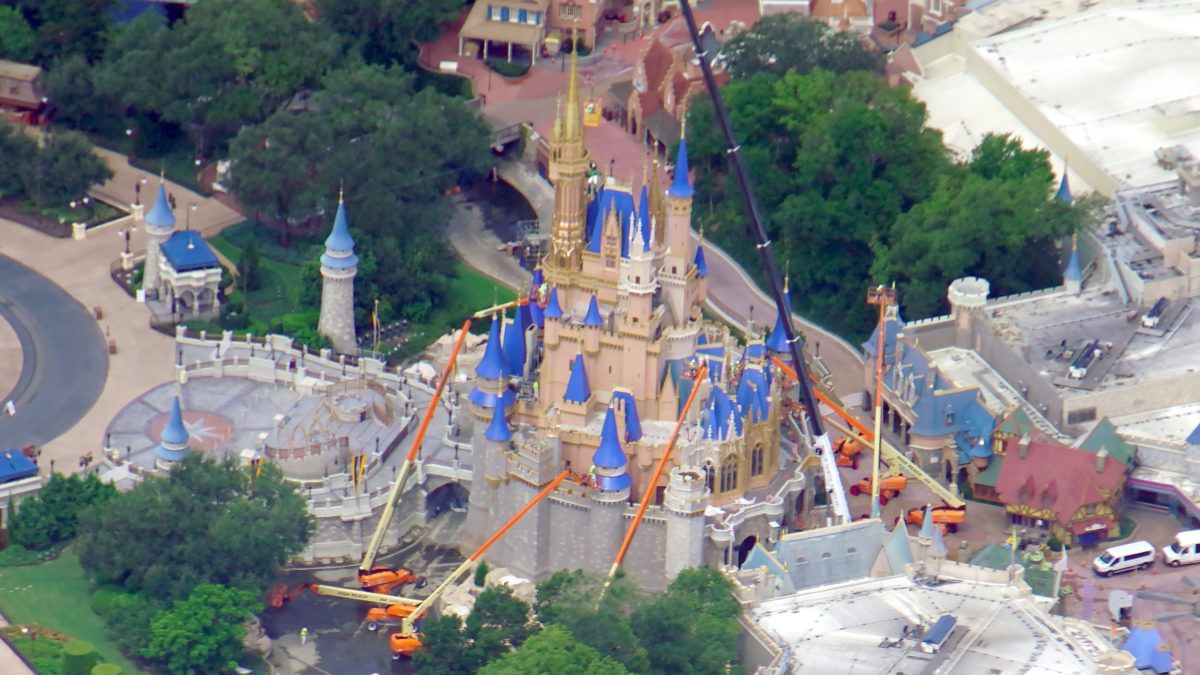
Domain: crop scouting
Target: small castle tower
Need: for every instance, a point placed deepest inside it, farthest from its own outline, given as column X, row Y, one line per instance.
column 777, row 342
column 339, row 266
column 160, row 225
column 1073, row 275
column 968, row 296
column 174, row 440
column 606, row 522
column 685, row 500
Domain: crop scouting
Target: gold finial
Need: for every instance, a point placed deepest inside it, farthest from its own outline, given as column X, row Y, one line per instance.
column 787, row 272
column 645, row 168
column 572, row 128
column 341, row 190
column 1073, row 236
column 683, row 128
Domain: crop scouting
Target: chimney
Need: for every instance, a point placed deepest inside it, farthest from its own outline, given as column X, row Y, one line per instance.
column 1100, row 459
column 1024, row 446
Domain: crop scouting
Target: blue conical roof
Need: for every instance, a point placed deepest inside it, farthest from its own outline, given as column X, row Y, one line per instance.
column 609, row 454
column 777, row 340
column 553, row 309
column 578, row 390
column 593, row 314
column 492, row 365
column 1073, row 271
column 175, row 433
column 1064, row 190
column 498, row 430
column 644, row 218
column 701, row 264
column 538, row 279
column 160, row 214
column 927, row 524
column 339, row 239
column 514, row 343
column 680, row 186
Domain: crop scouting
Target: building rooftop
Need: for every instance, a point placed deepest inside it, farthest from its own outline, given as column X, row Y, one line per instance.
column 186, row 250
column 855, row 627
column 1165, row 427
column 1051, row 330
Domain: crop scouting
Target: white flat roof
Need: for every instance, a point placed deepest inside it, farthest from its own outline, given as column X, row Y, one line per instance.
column 1098, row 77
column 842, row 629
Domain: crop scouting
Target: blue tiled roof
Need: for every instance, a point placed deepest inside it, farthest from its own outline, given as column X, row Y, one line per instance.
column 339, row 239
column 613, row 483
column 609, row 455
column 644, row 219
column 498, row 430
column 1194, row 437
column 578, row 390
column 593, row 314
column 752, row 394
column 1143, row 645
column 680, row 186
column 605, row 201
column 553, row 309
column 536, row 316
column 14, row 466
column 701, row 264
column 1064, row 190
column 777, row 340
column 633, row 424
column 719, row 414
column 492, row 366
column 514, row 343
column 174, row 432
column 187, row 250
column 1073, row 271
column 538, row 279
column 893, row 324
column 160, row 214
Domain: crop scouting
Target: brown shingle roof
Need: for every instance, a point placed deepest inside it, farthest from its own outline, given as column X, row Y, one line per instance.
column 1055, row 477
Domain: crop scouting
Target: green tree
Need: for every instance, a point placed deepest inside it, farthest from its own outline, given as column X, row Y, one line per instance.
column 205, row 523
column 203, row 633
column 66, row 27
column 554, row 650
column 778, row 43
column 228, row 64
column 992, row 218
column 248, row 266
column 70, row 86
column 385, row 30
column 78, row 657
column 18, row 150
column 693, row 627
column 835, row 159
column 569, row 599
column 51, row 515
column 498, row 622
column 17, row 39
column 64, row 169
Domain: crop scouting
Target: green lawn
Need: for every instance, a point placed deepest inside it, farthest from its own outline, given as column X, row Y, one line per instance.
column 468, row 293
column 56, row 595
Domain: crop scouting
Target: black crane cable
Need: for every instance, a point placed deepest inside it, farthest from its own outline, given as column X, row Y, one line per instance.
column 756, row 226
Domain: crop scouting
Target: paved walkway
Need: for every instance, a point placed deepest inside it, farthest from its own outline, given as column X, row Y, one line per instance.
column 144, row 357
column 11, row 360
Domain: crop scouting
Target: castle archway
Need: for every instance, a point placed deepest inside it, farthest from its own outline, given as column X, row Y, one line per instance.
column 448, row 497
column 744, row 548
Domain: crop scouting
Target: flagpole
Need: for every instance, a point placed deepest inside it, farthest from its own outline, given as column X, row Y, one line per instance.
column 375, row 328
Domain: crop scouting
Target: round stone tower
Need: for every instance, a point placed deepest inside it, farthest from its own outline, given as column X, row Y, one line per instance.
column 160, row 225
column 967, row 296
column 685, row 499
column 339, row 266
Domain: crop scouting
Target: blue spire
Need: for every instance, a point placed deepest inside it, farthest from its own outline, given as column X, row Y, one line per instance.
column 175, row 433
column 1074, row 272
column 498, row 430
column 553, row 310
column 160, row 214
column 644, row 218
column 777, row 340
column 609, row 455
column 927, row 524
column 339, row 246
column 492, row 365
column 536, row 316
column 538, row 280
column 514, row 344
column 680, row 186
column 701, row 265
column 578, row 390
column 593, row 314
column 1064, row 189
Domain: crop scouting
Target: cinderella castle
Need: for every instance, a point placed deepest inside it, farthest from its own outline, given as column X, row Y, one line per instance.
column 592, row 374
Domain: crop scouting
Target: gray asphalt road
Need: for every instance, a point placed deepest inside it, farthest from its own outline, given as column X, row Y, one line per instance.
column 66, row 361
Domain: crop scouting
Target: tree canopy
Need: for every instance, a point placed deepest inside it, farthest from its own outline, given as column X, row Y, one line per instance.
column 227, row 64
column 498, row 623
column 206, row 523
column 385, row 30
column 395, row 149
column 778, row 43
column 856, row 190
column 17, row 39
column 51, row 515
column 203, row 633
column 65, row 27
column 554, row 650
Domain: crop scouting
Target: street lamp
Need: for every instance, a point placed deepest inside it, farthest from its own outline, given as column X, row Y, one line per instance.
column 191, row 207
column 126, row 234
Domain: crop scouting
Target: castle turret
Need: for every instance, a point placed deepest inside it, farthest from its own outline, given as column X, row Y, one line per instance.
column 552, row 315
column 498, row 431
column 591, row 327
column 339, row 266
column 685, row 499
column 578, row 390
column 567, row 169
column 514, row 344
column 678, row 256
column 174, row 440
column 1064, row 189
column 1073, row 275
column 160, row 225
column 492, row 386
column 776, row 342
column 605, row 521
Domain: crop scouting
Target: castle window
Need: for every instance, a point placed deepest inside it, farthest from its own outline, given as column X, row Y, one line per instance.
column 504, row 13
column 729, row 474
column 522, row 16
column 569, row 10
column 708, row 476
column 756, row 461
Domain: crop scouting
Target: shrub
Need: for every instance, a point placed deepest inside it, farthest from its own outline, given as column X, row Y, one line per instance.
column 78, row 658
column 481, row 573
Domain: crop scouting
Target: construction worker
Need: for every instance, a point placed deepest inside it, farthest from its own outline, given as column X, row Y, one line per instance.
column 592, row 475
column 304, row 635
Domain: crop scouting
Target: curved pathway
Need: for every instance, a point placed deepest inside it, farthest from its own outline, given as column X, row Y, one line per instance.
column 65, row 357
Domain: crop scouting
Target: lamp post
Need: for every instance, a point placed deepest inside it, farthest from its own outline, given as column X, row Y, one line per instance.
column 192, row 206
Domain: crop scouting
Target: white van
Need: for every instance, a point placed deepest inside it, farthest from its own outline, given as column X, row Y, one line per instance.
column 1185, row 550
column 1122, row 558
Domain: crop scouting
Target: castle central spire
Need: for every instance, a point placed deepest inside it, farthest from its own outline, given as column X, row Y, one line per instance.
column 568, row 171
